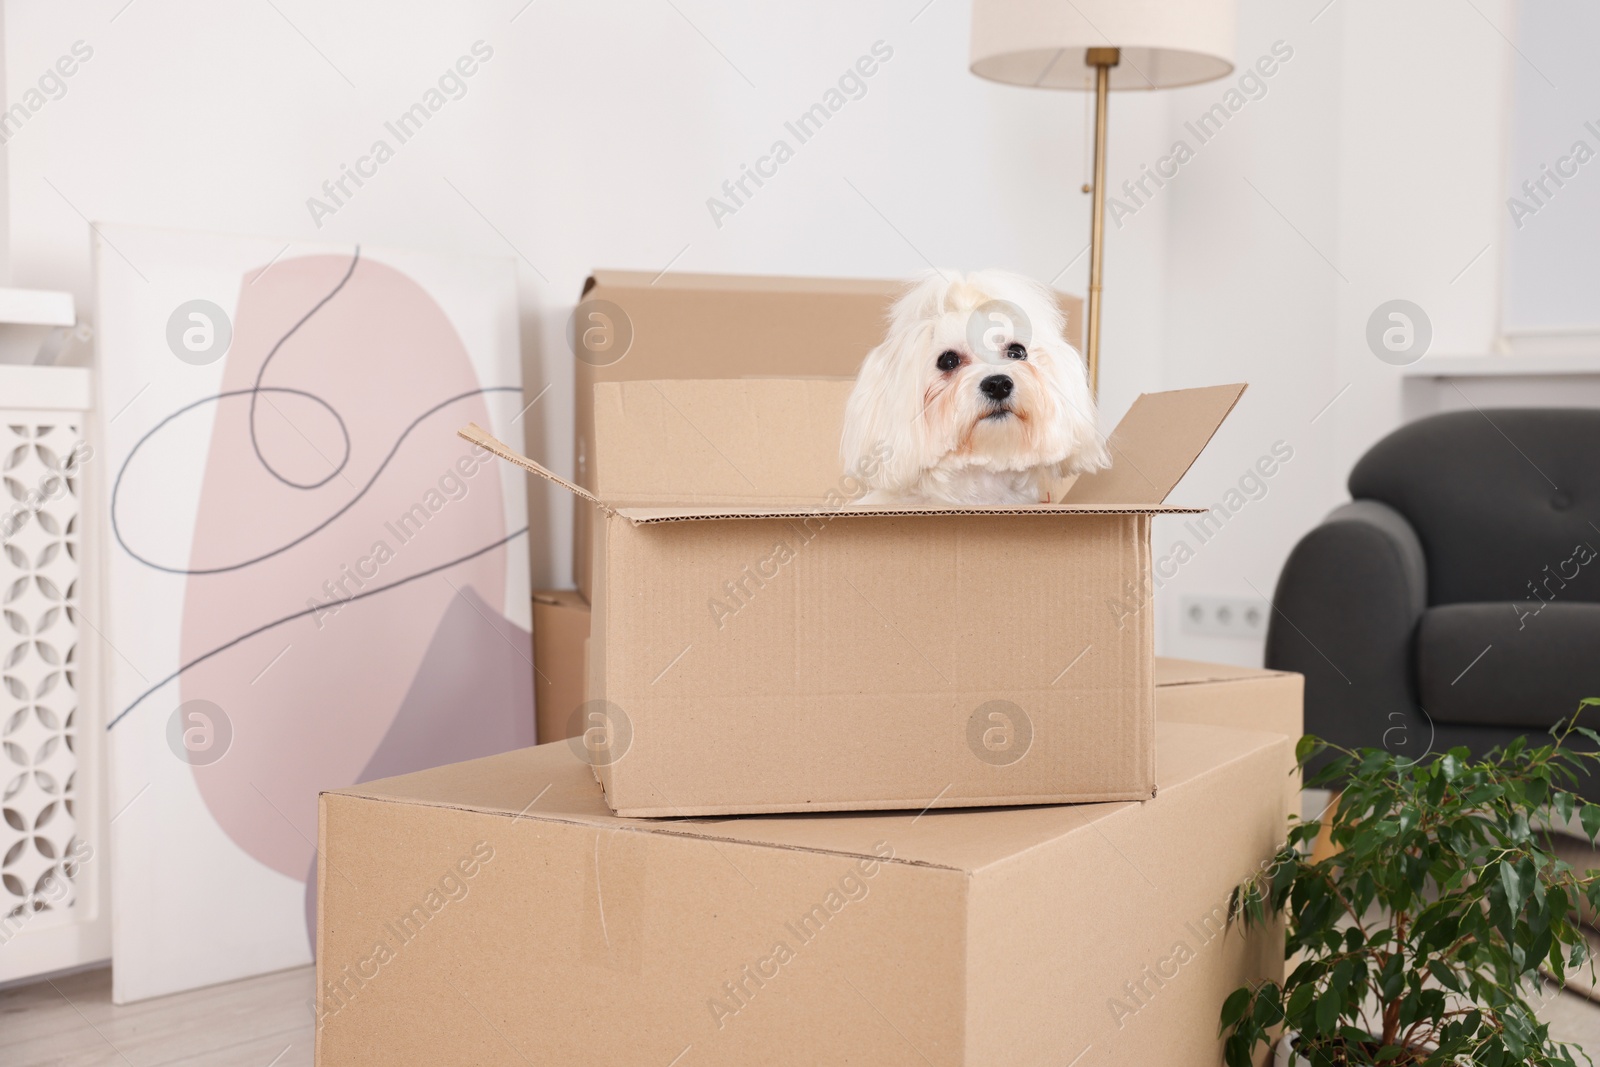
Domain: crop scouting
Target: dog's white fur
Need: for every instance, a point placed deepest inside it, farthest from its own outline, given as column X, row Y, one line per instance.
column 915, row 434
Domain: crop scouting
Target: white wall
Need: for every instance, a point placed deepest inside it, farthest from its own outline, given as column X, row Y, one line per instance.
column 1372, row 168
column 593, row 137
column 1553, row 266
column 1378, row 156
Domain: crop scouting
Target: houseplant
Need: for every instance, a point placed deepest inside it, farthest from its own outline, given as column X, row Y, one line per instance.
column 1421, row 938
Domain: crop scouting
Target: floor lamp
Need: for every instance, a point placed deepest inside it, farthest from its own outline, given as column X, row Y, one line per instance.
column 1098, row 46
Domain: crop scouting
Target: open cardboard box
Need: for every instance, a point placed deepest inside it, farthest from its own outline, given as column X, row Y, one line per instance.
column 496, row 911
column 1207, row 694
column 758, row 644
column 649, row 326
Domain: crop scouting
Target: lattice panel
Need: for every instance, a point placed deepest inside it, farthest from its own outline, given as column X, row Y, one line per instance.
column 39, row 568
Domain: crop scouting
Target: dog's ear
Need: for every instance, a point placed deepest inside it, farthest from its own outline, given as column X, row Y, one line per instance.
column 888, row 441
column 885, row 441
column 1076, row 417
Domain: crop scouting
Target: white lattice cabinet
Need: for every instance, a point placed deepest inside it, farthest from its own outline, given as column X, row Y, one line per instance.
column 53, row 912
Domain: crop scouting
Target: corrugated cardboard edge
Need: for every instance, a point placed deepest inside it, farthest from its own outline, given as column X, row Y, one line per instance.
column 645, row 516
column 641, row 516
column 1147, row 667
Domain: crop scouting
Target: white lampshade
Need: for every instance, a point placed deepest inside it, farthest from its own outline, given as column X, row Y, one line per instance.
column 1042, row 43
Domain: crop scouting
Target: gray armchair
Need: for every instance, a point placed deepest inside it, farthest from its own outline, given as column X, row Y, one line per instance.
column 1456, row 599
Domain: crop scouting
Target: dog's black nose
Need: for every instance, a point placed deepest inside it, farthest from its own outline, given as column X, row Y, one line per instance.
column 996, row 387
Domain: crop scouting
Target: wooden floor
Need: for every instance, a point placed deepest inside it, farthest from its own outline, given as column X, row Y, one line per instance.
column 264, row 1022
column 71, row 1022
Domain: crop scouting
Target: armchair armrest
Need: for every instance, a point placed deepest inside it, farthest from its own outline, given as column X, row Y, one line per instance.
column 1345, row 615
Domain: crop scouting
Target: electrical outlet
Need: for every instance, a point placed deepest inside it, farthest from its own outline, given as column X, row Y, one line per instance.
column 1224, row 616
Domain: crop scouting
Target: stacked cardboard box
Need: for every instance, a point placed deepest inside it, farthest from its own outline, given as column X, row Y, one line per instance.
column 560, row 651
column 498, row 912
column 950, row 678
column 746, row 612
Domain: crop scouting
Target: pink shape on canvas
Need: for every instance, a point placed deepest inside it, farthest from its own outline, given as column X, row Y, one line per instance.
column 311, row 700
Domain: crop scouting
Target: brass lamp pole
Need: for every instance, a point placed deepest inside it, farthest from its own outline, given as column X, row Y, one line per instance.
column 1102, row 60
column 1148, row 44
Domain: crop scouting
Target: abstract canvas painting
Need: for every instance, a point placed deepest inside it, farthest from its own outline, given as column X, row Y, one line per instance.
column 309, row 579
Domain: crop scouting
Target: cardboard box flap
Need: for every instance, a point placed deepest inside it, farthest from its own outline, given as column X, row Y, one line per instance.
column 720, row 441
column 646, row 515
column 549, row 782
column 1155, row 444
column 481, row 437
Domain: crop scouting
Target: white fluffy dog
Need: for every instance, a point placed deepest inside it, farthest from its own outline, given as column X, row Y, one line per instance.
column 974, row 397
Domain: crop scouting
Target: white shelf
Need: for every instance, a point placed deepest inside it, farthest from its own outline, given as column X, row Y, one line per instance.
column 30, row 388
column 36, row 307
column 1547, row 366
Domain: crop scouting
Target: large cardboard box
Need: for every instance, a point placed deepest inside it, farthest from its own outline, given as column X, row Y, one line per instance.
column 497, row 912
column 638, row 326
column 760, row 645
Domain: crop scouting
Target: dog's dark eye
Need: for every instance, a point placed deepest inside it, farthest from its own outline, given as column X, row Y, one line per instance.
column 1016, row 350
column 948, row 360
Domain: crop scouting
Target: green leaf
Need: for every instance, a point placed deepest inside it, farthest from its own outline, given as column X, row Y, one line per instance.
column 1328, row 1006
column 1445, row 976
column 1589, row 816
column 1268, row 1009
column 1233, row 1008
column 1339, row 981
column 1437, row 784
column 1239, row 1051
column 1328, row 778
column 1299, row 1000
column 1516, row 890
column 1307, row 747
